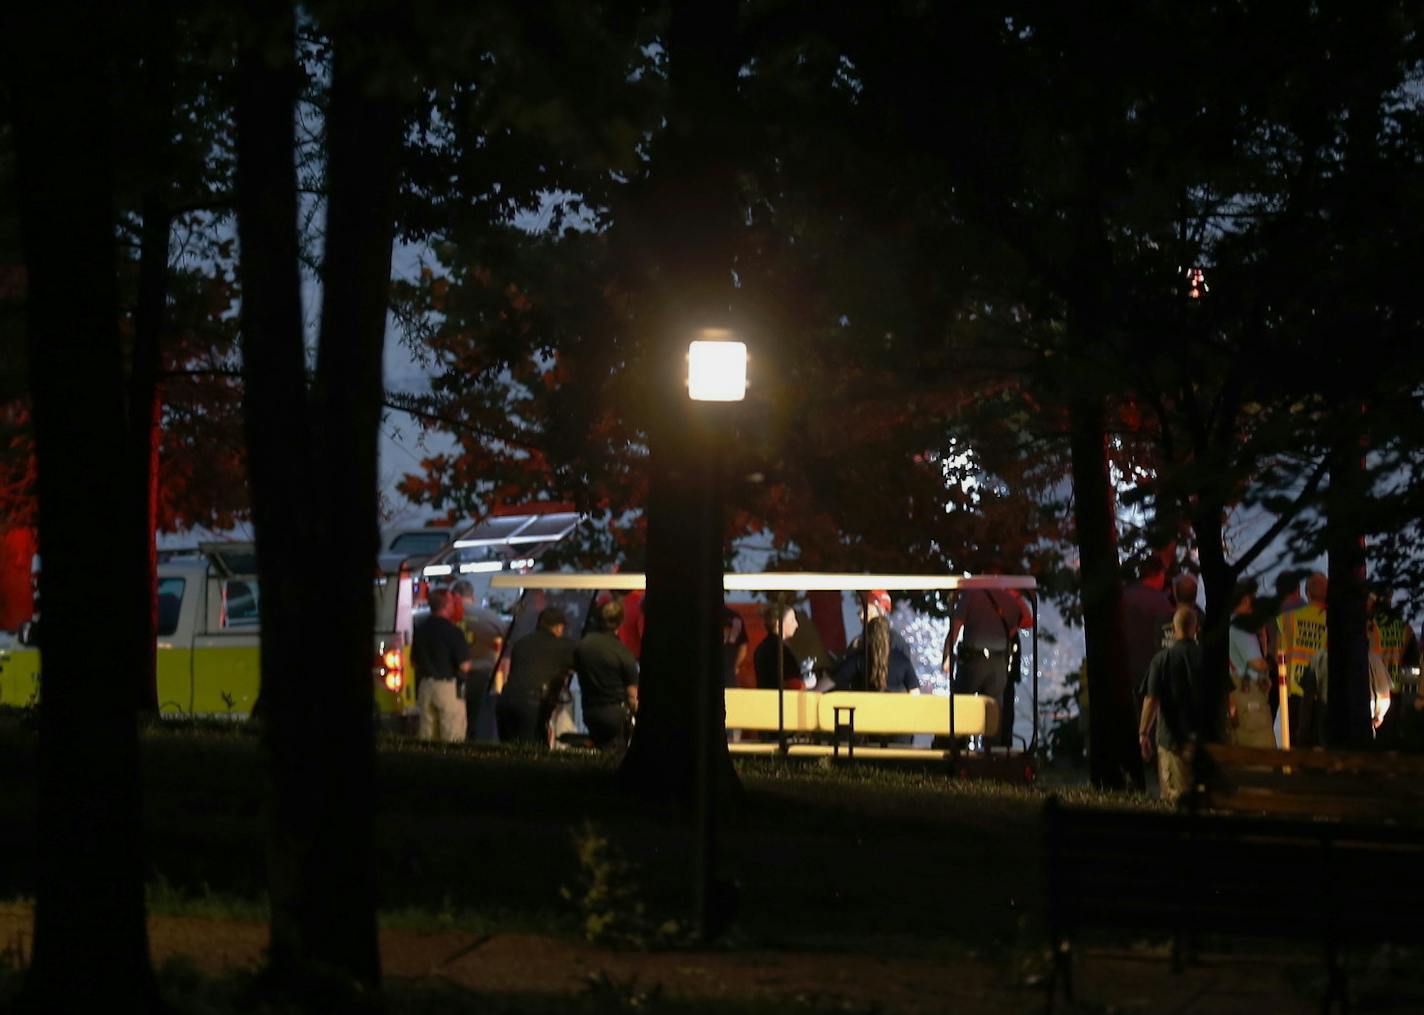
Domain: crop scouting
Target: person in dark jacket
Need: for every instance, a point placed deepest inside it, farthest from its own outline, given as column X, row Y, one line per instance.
column 889, row 669
column 780, row 626
column 538, row 664
column 608, row 679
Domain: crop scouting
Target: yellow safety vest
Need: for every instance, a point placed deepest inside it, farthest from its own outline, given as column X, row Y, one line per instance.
column 1302, row 635
column 1387, row 641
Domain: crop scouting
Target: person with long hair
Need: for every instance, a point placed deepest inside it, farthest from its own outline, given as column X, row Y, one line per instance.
column 877, row 665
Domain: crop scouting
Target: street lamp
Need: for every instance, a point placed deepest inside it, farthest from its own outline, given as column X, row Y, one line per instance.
column 716, row 367
column 716, row 372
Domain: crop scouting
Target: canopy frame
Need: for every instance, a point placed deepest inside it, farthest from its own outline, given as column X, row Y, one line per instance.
column 782, row 582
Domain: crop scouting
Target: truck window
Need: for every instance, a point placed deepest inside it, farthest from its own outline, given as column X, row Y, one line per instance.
column 239, row 603
column 414, row 544
column 170, row 602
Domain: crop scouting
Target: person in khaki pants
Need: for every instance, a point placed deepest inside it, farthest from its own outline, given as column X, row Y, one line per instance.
column 440, row 656
column 1185, row 704
column 1250, row 675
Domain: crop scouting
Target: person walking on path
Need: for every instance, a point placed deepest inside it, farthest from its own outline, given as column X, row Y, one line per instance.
column 1184, row 703
column 440, row 657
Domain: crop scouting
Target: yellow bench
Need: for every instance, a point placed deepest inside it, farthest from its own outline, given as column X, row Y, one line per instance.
column 874, row 713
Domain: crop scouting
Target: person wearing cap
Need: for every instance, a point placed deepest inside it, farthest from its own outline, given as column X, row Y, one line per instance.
column 882, row 668
column 877, row 604
column 538, row 664
column 985, row 660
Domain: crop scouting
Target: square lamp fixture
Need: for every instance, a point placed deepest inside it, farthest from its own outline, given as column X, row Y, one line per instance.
column 716, row 369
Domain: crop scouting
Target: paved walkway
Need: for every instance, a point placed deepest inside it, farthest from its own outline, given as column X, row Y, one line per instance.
column 1138, row 980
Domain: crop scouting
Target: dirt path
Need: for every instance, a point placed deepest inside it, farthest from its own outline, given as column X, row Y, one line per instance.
column 525, row 963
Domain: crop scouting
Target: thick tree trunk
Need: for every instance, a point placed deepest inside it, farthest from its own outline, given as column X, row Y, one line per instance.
column 1219, row 577
column 145, row 402
column 317, row 690
column 364, row 143
column 1114, row 761
column 91, row 942
column 694, row 211
column 1347, row 716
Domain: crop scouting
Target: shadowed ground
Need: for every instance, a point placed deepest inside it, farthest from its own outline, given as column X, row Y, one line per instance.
column 863, row 889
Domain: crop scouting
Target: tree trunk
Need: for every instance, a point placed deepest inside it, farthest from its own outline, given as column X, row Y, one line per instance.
column 145, row 402
column 91, row 941
column 1219, row 577
column 363, row 169
column 317, row 693
column 1347, row 714
column 692, row 211
column 1114, row 760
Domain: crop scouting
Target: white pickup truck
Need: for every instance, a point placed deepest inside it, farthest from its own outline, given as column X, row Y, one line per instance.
column 208, row 640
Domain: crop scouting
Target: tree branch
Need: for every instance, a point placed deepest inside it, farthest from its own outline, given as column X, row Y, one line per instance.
column 1284, row 518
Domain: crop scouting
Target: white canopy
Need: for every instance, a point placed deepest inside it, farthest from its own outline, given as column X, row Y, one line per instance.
column 777, row 581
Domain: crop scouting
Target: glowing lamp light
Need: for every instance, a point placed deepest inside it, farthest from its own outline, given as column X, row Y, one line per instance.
column 1196, row 284
column 716, row 368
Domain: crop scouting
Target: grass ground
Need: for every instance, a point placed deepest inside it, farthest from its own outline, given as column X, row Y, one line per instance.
column 862, row 888
column 477, row 837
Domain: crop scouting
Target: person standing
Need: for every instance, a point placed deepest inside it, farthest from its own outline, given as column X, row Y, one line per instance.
column 985, row 660
column 1145, row 608
column 1184, row 704
column 1393, row 642
column 1250, row 674
column 539, row 663
column 484, row 630
column 608, row 679
column 1300, row 635
column 631, row 631
column 734, row 645
column 1184, row 593
column 440, row 657
column 1288, row 597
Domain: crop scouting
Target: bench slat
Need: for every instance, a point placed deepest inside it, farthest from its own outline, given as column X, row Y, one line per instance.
column 876, row 714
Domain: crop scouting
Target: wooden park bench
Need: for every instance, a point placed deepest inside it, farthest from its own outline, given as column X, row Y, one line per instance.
column 1345, row 785
column 1336, row 884
column 828, row 724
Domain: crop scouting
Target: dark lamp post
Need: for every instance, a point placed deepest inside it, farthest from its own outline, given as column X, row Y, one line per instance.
column 716, row 372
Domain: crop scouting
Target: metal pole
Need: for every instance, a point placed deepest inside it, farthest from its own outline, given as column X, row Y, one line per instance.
column 1033, row 605
column 953, row 740
column 780, row 672
column 709, row 538
column 865, row 637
